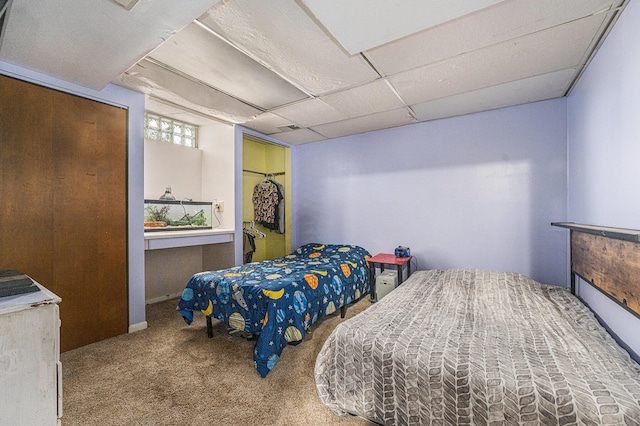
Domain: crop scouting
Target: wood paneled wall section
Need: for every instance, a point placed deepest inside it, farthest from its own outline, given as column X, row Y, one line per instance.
column 63, row 220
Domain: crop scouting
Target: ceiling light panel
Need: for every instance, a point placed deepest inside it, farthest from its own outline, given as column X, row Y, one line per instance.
column 506, row 21
column 536, row 54
column 287, row 40
column 367, row 99
column 153, row 80
column 384, row 21
column 533, row 89
column 309, row 113
column 379, row 121
column 198, row 53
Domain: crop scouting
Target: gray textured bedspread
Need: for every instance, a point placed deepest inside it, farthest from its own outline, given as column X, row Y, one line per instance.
column 466, row 346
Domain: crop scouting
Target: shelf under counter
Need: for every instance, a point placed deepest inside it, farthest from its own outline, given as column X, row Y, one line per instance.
column 170, row 239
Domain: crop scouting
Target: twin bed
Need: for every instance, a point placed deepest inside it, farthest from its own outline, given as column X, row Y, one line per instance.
column 278, row 300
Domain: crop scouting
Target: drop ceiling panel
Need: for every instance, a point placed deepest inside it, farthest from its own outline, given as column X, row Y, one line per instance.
column 379, row 121
column 90, row 42
column 243, row 61
column 198, row 53
column 309, row 113
column 533, row 89
column 387, row 21
column 506, row 21
column 535, row 54
column 267, row 123
column 299, row 136
column 364, row 100
column 153, row 80
column 287, row 40
column 176, row 112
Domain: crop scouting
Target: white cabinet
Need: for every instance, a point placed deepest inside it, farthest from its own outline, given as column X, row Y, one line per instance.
column 30, row 369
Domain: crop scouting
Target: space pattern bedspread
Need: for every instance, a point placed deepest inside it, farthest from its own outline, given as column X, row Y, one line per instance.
column 279, row 299
column 467, row 346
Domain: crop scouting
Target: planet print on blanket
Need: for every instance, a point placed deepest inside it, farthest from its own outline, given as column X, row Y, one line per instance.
column 299, row 302
column 236, row 321
column 271, row 362
column 336, row 283
column 312, row 280
column 292, row 334
column 222, row 290
column 331, row 308
column 187, row 294
column 278, row 300
column 345, row 270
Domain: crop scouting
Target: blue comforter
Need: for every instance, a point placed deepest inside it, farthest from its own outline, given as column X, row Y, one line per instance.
column 279, row 299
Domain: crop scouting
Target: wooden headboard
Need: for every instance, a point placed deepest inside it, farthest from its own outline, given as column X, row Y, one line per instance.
column 608, row 259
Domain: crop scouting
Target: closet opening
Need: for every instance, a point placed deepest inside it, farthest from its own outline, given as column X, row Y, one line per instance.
column 266, row 199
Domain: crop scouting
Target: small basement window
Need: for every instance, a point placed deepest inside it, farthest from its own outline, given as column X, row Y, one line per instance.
column 168, row 130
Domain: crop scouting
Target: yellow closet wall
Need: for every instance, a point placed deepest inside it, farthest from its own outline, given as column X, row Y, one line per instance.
column 262, row 156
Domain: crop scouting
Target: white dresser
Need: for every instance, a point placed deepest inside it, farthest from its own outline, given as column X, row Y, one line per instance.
column 30, row 369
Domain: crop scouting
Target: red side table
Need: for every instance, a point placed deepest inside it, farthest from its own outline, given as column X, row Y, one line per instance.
column 381, row 260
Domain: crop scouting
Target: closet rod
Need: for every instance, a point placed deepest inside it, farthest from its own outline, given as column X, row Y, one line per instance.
column 263, row 173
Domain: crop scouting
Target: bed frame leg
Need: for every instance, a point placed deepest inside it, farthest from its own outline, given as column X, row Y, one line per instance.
column 343, row 311
column 209, row 327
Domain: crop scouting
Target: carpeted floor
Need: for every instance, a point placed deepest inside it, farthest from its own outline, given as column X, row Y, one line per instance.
column 172, row 374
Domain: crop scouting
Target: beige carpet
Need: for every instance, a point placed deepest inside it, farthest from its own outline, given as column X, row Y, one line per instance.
column 172, row 374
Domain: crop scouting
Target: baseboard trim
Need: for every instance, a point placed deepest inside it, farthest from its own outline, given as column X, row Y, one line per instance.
column 137, row 327
column 163, row 298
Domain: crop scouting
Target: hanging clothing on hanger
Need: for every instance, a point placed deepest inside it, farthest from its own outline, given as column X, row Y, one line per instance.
column 266, row 197
column 280, row 219
column 249, row 235
column 248, row 247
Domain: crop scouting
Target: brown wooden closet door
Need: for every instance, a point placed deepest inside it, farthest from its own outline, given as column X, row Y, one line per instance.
column 63, row 219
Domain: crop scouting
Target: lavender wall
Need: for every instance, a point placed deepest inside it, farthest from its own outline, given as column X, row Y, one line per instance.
column 472, row 191
column 603, row 129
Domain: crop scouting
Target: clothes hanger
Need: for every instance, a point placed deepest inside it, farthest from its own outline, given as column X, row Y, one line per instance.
column 257, row 231
column 252, row 230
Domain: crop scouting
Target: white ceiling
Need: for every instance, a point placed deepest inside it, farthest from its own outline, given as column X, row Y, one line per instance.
column 309, row 70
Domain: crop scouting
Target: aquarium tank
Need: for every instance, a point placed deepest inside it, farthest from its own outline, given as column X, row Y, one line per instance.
column 176, row 215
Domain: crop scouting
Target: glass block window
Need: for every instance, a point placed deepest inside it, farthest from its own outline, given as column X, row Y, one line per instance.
column 168, row 130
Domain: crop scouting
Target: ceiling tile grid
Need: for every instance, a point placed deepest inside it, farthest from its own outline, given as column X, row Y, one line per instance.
column 307, row 70
column 532, row 89
column 507, row 21
column 367, row 123
column 282, row 35
column 369, row 98
column 90, row 43
column 504, row 62
column 386, row 21
column 509, row 53
column 196, row 52
column 267, row 123
column 308, row 113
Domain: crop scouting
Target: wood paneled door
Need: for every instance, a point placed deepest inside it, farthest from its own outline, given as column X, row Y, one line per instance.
column 63, row 211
